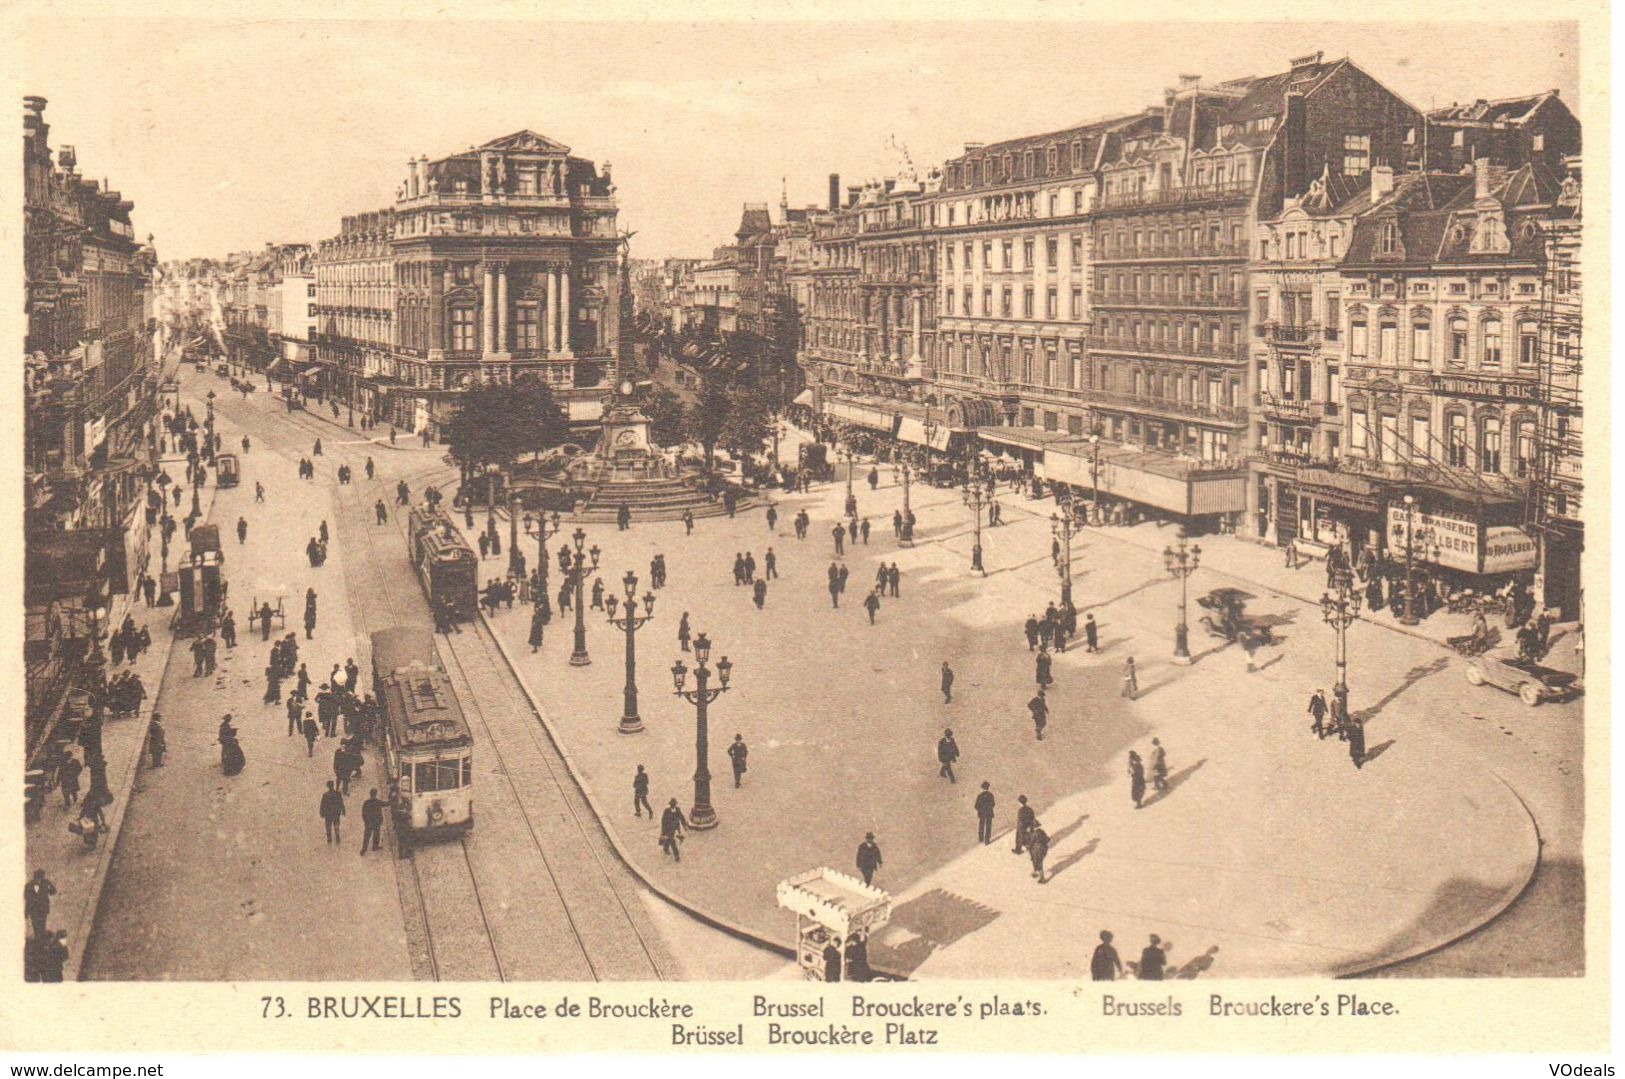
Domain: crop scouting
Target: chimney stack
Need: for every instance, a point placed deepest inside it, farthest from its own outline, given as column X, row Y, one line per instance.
column 853, row 191
column 411, row 177
column 1382, row 182
column 834, row 191
column 972, row 147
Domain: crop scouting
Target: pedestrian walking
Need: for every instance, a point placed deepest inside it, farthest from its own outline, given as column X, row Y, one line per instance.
column 372, row 821
column 759, row 593
column 1030, row 628
column 1136, row 779
column 683, row 632
column 839, row 535
column 984, row 813
column 538, row 622
column 1041, row 669
column 737, row 754
column 894, row 577
column 947, row 683
column 863, row 530
column 332, row 810
column 310, row 731
column 1040, row 713
column 265, row 622
column 897, row 524
column 871, row 603
column 947, row 754
column 640, row 794
column 1038, row 850
column 228, row 629
column 869, row 859
column 1104, row 965
column 672, row 826
column 1317, row 712
column 688, row 522
column 37, row 895
column 770, row 565
column 1025, row 819
column 1159, row 766
column 1356, row 738
column 157, row 743
column 1153, row 960
column 772, row 518
column 242, row 530
column 1131, row 680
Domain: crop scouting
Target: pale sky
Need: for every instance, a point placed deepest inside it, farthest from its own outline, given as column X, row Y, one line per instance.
column 228, row 134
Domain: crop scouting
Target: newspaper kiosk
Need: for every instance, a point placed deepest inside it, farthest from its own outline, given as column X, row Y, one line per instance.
column 835, row 914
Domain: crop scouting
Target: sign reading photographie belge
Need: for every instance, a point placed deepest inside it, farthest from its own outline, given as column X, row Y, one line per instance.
column 1458, row 542
column 1488, row 389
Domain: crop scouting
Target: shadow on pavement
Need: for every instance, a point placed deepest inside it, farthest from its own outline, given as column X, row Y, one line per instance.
column 930, row 921
column 1196, row 967
column 1074, row 858
column 1376, row 751
column 1175, row 781
column 1413, row 676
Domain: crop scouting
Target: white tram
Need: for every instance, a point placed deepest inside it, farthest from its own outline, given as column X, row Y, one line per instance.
column 428, row 752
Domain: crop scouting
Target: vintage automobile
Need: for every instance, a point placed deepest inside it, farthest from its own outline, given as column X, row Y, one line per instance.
column 1530, row 681
column 1229, row 621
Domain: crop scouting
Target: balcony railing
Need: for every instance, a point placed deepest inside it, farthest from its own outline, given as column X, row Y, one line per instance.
column 1168, row 405
column 1164, row 196
column 1206, row 249
column 1158, row 298
column 1204, row 349
column 1287, row 333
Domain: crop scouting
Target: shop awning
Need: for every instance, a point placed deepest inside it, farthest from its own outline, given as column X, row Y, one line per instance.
column 1341, row 489
column 862, row 415
column 1022, row 438
column 911, row 429
column 804, row 398
column 1186, row 488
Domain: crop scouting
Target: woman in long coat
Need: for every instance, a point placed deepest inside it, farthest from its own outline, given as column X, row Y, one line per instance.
column 538, row 619
column 1136, row 778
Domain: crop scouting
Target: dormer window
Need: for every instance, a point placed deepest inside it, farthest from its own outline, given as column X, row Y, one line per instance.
column 1539, row 143
column 1389, row 243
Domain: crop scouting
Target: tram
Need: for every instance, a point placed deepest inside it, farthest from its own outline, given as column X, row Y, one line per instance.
column 428, row 752
column 447, row 570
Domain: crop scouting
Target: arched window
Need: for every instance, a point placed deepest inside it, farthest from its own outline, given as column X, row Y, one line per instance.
column 1524, row 448
column 1489, row 444
column 1456, row 440
column 1491, row 349
column 1458, row 341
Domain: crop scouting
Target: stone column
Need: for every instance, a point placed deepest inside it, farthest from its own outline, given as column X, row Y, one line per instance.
column 564, row 310
column 551, row 336
column 488, row 310
column 919, row 305
column 437, row 310
column 502, row 307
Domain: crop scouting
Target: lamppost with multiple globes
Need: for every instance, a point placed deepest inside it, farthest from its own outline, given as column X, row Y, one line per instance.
column 975, row 500
column 702, row 816
column 538, row 527
column 1181, row 564
column 1413, row 536
column 1094, row 479
column 631, row 621
column 1061, row 526
column 579, row 657
column 1340, row 612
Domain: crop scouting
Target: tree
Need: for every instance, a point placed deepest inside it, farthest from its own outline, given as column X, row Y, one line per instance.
column 667, row 416
column 497, row 422
column 747, row 427
column 708, row 418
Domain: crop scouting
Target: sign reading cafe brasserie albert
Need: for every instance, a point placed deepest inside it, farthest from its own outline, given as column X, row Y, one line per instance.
column 1461, row 543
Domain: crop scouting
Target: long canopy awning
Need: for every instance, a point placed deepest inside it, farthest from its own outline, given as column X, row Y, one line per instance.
column 1022, row 438
column 911, row 429
column 1186, row 488
column 863, row 415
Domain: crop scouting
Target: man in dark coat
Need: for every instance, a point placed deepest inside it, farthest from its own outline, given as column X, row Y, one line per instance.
column 839, row 535
column 737, row 753
column 156, row 743
column 947, row 683
column 332, row 811
column 869, row 858
column 37, row 895
column 1104, row 965
column 672, row 824
column 1025, row 819
column 871, row 603
column 310, row 731
column 372, row 820
column 1031, row 629
column 1038, row 850
column 1152, row 960
column 1356, row 736
column 265, row 621
column 640, row 794
column 1317, row 710
column 984, row 813
column 947, row 754
column 1040, row 712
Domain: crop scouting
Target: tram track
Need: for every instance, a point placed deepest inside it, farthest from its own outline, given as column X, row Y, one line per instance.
column 571, row 911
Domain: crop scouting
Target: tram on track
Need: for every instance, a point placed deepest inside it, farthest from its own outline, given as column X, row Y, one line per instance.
column 447, row 569
column 428, row 751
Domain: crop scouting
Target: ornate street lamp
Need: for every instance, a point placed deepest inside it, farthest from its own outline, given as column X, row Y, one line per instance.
column 538, row 527
column 1340, row 612
column 975, row 500
column 631, row 621
column 702, row 816
column 579, row 657
column 1061, row 526
column 1181, row 564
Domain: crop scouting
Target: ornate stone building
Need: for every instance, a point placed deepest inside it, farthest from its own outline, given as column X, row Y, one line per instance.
column 492, row 263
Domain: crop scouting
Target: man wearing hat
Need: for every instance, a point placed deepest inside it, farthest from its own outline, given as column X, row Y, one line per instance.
column 947, row 753
column 869, row 858
column 1038, row 850
column 984, row 814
